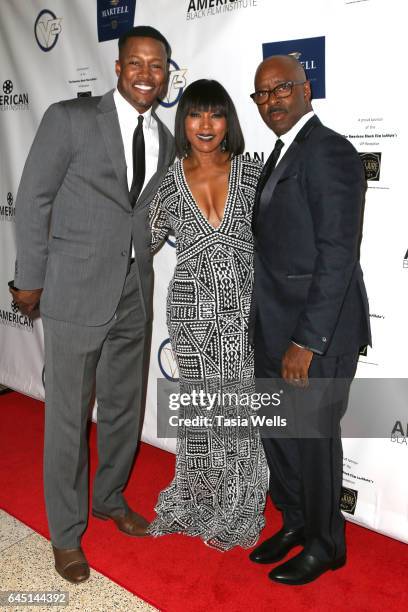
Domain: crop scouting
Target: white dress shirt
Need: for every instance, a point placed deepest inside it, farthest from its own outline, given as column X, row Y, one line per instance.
column 128, row 116
column 290, row 136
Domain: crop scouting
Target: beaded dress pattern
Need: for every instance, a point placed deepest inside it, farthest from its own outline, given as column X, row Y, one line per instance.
column 220, row 483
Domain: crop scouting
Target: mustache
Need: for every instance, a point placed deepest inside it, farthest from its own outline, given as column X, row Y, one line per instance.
column 276, row 109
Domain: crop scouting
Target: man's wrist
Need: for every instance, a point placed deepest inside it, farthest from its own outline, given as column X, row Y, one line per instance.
column 308, row 348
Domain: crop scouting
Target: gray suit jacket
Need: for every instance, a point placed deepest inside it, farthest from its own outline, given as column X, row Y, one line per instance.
column 74, row 221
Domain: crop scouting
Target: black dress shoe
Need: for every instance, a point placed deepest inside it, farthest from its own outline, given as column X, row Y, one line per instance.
column 278, row 546
column 303, row 568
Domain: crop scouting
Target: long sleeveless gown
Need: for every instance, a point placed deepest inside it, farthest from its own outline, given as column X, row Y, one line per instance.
column 219, row 488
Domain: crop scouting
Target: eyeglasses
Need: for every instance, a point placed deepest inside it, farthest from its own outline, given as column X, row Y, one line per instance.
column 283, row 90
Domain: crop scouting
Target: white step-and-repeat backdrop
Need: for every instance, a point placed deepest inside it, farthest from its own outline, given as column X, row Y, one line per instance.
column 353, row 53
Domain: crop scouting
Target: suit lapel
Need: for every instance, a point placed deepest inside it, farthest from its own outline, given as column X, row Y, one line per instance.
column 109, row 125
column 266, row 185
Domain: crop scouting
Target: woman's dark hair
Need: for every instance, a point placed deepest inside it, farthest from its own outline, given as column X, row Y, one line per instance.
column 203, row 95
column 145, row 32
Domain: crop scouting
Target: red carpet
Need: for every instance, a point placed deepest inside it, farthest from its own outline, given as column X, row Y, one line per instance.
column 177, row 573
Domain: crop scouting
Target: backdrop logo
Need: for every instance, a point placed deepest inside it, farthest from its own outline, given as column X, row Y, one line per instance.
column 255, row 156
column 177, row 83
column 311, row 54
column 399, row 433
column 47, row 29
column 405, row 261
column 14, row 318
column 348, row 501
column 10, row 100
column 372, row 165
column 114, row 17
column 197, row 9
column 8, row 87
column 7, row 210
column 167, row 361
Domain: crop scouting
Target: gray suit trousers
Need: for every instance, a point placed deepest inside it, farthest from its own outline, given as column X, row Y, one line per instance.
column 80, row 360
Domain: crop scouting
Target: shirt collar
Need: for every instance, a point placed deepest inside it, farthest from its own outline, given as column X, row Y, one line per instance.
column 128, row 113
column 290, row 136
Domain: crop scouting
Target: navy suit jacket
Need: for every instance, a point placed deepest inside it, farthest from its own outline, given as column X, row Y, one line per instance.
column 307, row 224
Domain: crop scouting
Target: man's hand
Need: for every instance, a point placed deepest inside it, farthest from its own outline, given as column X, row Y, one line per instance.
column 27, row 300
column 295, row 365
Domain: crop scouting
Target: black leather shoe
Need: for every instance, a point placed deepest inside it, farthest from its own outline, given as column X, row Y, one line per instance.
column 278, row 546
column 303, row 568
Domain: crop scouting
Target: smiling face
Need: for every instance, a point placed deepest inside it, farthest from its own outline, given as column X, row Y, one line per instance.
column 205, row 130
column 142, row 71
column 281, row 114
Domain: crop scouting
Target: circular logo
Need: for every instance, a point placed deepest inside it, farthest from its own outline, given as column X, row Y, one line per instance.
column 47, row 28
column 10, row 199
column 8, row 86
column 167, row 361
column 177, row 83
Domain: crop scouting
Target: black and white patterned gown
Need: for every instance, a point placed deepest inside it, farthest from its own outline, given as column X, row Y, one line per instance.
column 220, row 483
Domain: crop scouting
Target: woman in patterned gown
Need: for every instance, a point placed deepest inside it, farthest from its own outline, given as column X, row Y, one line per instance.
column 206, row 199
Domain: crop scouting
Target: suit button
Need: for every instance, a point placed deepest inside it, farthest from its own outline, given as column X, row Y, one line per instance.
column 124, row 253
column 132, row 214
column 324, row 339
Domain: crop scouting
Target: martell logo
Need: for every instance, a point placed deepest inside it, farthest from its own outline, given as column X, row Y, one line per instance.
column 311, row 53
column 114, row 17
column 47, row 29
column 7, row 211
column 348, row 501
column 405, row 261
column 10, row 100
column 177, row 83
column 14, row 318
column 167, row 361
column 372, row 165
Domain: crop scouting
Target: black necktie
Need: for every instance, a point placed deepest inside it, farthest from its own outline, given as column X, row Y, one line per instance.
column 272, row 159
column 266, row 172
column 139, row 165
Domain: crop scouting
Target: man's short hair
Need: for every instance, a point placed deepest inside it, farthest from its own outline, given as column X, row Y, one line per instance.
column 145, row 32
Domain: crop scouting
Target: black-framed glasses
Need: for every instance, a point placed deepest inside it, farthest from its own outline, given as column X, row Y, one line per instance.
column 283, row 90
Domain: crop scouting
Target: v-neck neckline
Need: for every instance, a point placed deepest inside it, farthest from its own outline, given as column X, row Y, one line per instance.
column 195, row 203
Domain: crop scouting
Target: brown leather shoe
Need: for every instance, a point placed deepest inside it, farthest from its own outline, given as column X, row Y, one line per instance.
column 130, row 522
column 71, row 564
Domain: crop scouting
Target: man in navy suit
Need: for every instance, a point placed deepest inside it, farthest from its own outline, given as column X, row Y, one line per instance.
column 310, row 309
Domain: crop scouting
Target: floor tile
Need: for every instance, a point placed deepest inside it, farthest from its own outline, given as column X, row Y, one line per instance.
column 11, row 530
column 27, row 565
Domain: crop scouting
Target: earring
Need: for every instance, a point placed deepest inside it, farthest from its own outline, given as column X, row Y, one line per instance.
column 224, row 144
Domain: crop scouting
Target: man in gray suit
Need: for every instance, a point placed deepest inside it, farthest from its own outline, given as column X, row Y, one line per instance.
column 83, row 249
